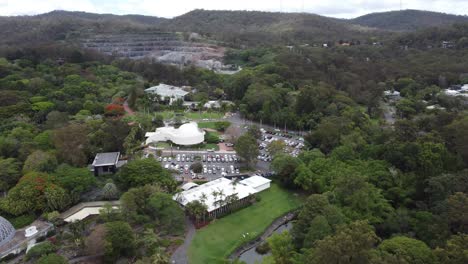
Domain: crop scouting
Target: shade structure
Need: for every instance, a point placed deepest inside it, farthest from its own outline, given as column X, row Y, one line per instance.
column 186, row 135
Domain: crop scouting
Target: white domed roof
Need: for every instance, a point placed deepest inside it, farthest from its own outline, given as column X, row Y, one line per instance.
column 7, row 231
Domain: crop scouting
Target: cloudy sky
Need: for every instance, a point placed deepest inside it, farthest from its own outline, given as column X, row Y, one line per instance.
column 171, row 8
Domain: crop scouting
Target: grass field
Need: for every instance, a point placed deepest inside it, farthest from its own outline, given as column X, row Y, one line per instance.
column 216, row 241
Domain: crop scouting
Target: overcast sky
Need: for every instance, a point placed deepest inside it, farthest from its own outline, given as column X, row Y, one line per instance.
column 171, row 8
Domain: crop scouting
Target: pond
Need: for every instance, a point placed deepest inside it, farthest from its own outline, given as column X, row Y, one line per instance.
column 251, row 256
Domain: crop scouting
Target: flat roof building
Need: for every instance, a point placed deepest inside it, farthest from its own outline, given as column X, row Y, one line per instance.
column 259, row 183
column 217, row 195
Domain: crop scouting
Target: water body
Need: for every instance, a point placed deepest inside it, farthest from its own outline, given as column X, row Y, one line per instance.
column 251, row 256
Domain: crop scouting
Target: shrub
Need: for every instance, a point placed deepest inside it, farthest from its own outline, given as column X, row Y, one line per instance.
column 52, row 259
column 120, row 241
column 263, row 248
column 222, row 126
column 41, row 250
column 211, row 138
column 22, row 220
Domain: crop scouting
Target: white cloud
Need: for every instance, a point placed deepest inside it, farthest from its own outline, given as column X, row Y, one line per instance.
column 171, row 8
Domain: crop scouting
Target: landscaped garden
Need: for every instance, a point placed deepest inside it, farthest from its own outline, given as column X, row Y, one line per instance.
column 191, row 115
column 214, row 243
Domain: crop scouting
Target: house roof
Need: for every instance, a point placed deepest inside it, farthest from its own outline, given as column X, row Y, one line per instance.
column 165, row 90
column 106, row 159
column 205, row 193
column 255, row 181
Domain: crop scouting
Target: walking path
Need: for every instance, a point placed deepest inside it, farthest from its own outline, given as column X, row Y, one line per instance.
column 127, row 109
column 268, row 232
column 180, row 256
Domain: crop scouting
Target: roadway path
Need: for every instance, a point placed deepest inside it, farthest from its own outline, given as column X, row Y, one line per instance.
column 127, row 109
column 180, row 256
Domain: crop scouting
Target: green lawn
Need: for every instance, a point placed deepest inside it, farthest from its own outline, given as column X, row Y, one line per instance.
column 216, row 241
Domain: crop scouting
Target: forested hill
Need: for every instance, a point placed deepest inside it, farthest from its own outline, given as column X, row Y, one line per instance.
column 407, row 20
column 245, row 27
column 62, row 25
column 92, row 17
column 251, row 28
column 235, row 26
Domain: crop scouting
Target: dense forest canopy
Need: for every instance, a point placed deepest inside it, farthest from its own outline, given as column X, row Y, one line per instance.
column 408, row 20
column 380, row 189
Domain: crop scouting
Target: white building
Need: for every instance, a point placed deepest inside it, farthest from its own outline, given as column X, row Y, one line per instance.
column 462, row 91
column 168, row 92
column 259, row 183
column 392, row 94
column 186, row 135
column 216, row 104
column 215, row 194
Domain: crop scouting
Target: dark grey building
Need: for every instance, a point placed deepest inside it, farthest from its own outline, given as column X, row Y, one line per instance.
column 107, row 163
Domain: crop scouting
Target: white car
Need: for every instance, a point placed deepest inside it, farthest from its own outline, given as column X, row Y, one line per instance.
column 166, row 166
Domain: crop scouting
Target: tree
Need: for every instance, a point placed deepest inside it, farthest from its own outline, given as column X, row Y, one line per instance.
column 57, row 198
column 246, row 147
column 197, row 167
column 119, row 241
column 134, row 203
column 56, row 119
column 350, row 244
column 457, row 208
column 255, row 132
column 232, row 133
column 407, row 249
column 285, row 167
column 148, row 242
column 455, row 250
column 276, row 147
column 28, row 195
column 281, row 247
column 360, row 199
column 110, row 191
column 71, row 143
column 456, row 137
column 9, row 174
column 315, row 219
column 76, row 180
column 52, row 259
column 167, row 213
column 40, row 161
column 196, row 210
column 146, row 171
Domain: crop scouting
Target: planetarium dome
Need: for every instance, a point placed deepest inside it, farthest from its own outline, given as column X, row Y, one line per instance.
column 7, row 231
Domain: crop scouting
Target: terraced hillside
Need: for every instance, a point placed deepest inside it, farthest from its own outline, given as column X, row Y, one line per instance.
column 163, row 47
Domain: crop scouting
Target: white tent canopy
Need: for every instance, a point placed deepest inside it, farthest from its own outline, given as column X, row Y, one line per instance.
column 186, row 135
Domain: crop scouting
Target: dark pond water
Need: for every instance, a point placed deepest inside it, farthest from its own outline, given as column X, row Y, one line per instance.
column 251, row 256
